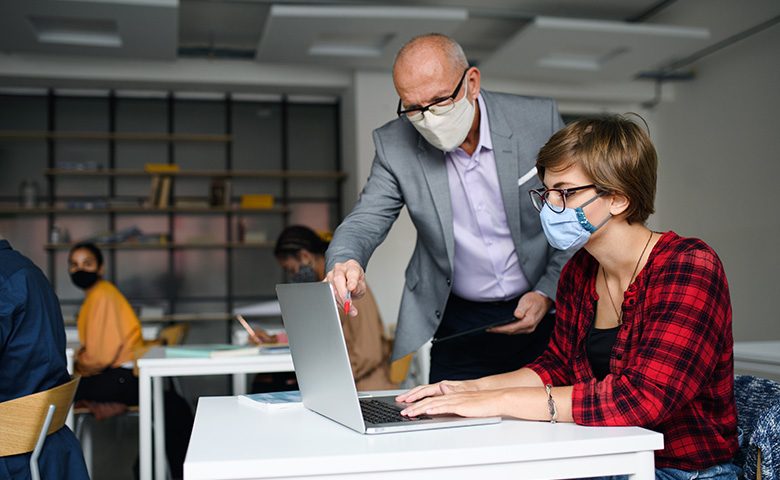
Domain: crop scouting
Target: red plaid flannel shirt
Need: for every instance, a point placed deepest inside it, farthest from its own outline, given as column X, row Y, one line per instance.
column 671, row 368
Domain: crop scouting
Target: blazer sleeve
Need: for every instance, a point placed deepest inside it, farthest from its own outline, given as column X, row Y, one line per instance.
column 376, row 210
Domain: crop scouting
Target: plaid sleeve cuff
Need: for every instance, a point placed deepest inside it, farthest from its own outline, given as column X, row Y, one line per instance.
column 542, row 372
column 578, row 403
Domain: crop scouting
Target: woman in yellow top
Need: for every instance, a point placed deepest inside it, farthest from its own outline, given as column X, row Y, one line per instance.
column 109, row 332
column 111, row 341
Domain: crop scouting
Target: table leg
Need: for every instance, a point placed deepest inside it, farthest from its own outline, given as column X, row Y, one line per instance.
column 69, row 361
column 159, row 428
column 239, row 383
column 645, row 462
column 145, row 425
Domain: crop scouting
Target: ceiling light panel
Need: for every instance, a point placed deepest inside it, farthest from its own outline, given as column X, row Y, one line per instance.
column 145, row 29
column 576, row 51
column 348, row 36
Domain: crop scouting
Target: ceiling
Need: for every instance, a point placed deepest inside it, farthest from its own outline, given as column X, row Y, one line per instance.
column 540, row 40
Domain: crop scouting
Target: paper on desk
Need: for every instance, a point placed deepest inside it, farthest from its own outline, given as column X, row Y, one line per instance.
column 262, row 309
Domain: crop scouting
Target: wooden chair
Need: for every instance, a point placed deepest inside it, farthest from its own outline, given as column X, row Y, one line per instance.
column 25, row 422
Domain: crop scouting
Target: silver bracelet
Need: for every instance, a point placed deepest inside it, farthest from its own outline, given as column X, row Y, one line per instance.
column 551, row 404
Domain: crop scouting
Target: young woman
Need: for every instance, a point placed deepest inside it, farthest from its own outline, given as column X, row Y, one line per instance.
column 643, row 329
column 111, row 341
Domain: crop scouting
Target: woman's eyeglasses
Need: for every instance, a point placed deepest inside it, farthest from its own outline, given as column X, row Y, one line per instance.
column 555, row 198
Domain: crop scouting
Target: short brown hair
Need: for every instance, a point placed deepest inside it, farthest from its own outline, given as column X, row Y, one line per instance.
column 614, row 152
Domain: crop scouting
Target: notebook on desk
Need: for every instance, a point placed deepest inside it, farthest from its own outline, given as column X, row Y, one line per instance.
column 322, row 366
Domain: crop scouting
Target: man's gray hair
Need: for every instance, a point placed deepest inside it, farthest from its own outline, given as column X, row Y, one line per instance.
column 451, row 48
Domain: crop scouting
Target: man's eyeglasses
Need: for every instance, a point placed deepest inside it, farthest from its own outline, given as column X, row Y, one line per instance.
column 440, row 106
column 555, row 198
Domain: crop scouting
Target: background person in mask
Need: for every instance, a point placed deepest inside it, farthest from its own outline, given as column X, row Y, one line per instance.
column 111, row 341
column 455, row 157
column 643, row 335
column 301, row 253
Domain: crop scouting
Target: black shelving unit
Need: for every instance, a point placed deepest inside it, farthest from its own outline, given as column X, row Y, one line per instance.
column 285, row 174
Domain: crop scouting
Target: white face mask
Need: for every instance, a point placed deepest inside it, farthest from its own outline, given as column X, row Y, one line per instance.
column 447, row 131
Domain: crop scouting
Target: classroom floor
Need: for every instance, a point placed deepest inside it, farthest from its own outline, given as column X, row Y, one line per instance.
column 115, row 448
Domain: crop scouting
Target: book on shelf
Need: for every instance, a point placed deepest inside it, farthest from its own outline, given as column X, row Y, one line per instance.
column 160, row 191
column 154, row 191
column 165, row 192
column 257, row 201
column 220, row 192
column 161, row 168
column 272, row 400
column 211, row 351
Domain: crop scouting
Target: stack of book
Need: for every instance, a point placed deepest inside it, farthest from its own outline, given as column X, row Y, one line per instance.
column 160, row 192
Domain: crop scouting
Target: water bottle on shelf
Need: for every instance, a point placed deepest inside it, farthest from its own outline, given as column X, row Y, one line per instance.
column 28, row 193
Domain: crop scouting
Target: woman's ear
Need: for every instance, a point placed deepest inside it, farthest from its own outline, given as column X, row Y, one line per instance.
column 619, row 204
column 305, row 257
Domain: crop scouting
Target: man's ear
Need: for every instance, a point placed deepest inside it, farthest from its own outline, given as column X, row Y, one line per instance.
column 619, row 204
column 474, row 77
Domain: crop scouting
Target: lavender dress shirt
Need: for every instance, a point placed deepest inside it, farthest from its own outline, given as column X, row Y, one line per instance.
column 485, row 265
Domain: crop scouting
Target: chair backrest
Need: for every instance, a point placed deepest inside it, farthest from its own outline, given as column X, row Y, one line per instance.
column 21, row 418
column 173, row 334
column 754, row 397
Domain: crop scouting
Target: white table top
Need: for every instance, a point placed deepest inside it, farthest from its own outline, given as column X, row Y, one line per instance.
column 156, row 359
column 231, row 440
column 764, row 352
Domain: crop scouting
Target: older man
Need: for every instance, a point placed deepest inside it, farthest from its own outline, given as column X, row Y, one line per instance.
column 461, row 161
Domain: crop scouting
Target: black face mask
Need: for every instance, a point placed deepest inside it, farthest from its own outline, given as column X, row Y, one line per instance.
column 304, row 274
column 83, row 279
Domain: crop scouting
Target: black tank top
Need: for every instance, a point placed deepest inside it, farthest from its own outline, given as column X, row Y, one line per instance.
column 599, row 347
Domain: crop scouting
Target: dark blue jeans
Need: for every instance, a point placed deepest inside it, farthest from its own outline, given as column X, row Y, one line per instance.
column 724, row 471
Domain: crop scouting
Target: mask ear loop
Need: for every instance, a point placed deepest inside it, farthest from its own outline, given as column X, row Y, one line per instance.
column 584, row 220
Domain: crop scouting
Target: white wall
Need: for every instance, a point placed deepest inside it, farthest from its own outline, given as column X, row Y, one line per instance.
column 719, row 175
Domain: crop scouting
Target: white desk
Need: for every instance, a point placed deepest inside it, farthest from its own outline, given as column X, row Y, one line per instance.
column 762, row 357
column 233, row 441
column 155, row 365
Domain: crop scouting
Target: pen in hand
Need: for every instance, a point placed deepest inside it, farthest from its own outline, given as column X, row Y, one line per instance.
column 347, row 302
column 249, row 329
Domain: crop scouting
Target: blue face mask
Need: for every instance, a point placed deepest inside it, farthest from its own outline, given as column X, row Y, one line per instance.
column 569, row 229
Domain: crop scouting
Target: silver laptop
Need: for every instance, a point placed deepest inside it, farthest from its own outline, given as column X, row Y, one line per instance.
column 322, row 366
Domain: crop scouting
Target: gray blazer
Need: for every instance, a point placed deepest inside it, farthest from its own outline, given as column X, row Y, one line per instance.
column 407, row 170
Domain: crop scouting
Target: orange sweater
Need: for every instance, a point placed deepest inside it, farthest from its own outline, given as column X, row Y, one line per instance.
column 109, row 330
column 369, row 352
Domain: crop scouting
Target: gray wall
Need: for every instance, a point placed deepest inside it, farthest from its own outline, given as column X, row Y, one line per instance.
column 719, row 172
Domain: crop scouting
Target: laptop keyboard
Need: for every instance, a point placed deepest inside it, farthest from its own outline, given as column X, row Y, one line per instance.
column 375, row 411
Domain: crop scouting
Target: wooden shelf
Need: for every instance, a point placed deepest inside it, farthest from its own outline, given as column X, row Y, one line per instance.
column 167, row 246
column 281, row 174
column 177, row 317
column 117, row 136
column 141, row 210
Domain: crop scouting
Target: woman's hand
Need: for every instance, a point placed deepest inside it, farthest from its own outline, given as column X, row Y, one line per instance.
column 263, row 336
column 435, row 389
column 486, row 403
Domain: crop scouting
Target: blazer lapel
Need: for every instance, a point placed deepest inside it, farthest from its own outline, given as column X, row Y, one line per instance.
column 435, row 170
column 507, row 165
